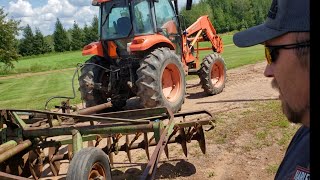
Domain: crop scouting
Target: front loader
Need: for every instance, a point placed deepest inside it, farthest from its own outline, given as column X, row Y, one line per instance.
column 144, row 51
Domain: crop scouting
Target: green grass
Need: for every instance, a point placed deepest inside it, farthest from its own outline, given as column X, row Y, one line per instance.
column 211, row 174
column 31, row 92
column 272, row 168
column 46, row 62
column 262, row 121
column 234, row 56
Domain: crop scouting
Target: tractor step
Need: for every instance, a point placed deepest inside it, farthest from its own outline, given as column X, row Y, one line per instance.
column 192, row 72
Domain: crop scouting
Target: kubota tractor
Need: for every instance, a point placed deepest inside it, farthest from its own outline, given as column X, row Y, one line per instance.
column 144, row 51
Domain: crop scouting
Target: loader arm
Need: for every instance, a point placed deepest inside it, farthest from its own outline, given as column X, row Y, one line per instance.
column 201, row 30
column 206, row 29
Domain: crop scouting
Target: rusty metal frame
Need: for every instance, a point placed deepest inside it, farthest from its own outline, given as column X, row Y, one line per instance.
column 19, row 134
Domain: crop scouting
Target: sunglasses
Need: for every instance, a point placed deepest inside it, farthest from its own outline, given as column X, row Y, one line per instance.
column 272, row 52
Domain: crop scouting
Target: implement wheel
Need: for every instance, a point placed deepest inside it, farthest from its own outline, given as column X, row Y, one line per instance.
column 212, row 74
column 161, row 80
column 88, row 164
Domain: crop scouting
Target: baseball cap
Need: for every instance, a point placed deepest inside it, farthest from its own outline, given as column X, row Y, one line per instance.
column 284, row 16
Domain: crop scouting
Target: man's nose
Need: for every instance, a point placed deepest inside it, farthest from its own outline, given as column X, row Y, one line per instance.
column 268, row 72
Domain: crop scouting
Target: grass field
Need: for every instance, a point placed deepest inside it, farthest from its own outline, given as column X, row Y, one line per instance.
column 31, row 92
column 46, row 63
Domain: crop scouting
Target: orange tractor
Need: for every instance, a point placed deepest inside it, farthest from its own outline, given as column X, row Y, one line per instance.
column 144, row 51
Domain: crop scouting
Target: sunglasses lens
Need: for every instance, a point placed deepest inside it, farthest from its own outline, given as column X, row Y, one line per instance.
column 268, row 55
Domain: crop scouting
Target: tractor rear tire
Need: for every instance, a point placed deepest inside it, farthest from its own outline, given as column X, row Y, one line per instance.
column 91, row 74
column 161, row 80
column 212, row 74
column 89, row 163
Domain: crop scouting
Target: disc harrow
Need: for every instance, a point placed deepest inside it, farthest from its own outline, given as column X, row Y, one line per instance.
column 33, row 139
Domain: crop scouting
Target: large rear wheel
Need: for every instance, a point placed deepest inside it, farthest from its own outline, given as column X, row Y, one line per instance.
column 161, row 80
column 92, row 74
column 212, row 74
column 94, row 84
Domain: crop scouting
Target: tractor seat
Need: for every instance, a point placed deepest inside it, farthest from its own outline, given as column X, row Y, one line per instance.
column 123, row 25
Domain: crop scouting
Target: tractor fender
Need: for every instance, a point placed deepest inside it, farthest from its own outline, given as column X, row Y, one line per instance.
column 94, row 48
column 142, row 43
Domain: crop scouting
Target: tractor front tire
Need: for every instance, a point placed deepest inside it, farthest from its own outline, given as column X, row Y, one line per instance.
column 161, row 80
column 89, row 163
column 212, row 74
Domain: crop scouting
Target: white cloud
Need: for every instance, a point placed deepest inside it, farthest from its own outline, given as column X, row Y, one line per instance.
column 80, row 2
column 85, row 15
column 45, row 17
column 60, row 8
column 20, row 9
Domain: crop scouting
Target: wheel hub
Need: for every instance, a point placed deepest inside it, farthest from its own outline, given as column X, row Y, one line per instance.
column 217, row 74
column 97, row 172
column 171, row 82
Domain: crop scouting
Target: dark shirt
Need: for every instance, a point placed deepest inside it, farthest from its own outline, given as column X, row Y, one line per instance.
column 296, row 162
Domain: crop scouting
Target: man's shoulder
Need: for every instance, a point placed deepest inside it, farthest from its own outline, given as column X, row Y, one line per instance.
column 302, row 134
column 296, row 162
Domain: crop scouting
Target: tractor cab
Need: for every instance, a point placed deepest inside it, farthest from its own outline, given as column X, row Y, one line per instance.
column 121, row 21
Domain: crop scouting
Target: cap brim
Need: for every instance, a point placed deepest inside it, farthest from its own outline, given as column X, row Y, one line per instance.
column 255, row 35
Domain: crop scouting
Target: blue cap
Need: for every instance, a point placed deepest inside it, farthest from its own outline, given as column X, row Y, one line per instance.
column 284, row 16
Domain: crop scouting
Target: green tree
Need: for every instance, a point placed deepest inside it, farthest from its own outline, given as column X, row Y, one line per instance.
column 87, row 35
column 95, row 29
column 261, row 8
column 26, row 43
column 60, row 38
column 8, row 46
column 197, row 10
column 49, row 40
column 77, row 37
column 39, row 44
column 91, row 33
column 229, row 15
column 223, row 19
column 243, row 13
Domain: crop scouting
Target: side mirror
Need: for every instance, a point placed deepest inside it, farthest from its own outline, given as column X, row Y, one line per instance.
column 189, row 4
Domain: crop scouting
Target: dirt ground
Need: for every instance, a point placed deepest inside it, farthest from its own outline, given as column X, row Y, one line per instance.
column 234, row 159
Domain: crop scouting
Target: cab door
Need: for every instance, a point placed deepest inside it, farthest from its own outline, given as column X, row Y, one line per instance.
column 167, row 21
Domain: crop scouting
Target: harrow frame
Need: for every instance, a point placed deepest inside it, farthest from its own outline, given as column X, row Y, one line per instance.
column 25, row 134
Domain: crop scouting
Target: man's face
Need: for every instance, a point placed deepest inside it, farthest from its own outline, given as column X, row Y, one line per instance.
column 291, row 79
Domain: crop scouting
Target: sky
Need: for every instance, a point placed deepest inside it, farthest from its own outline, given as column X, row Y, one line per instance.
column 44, row 13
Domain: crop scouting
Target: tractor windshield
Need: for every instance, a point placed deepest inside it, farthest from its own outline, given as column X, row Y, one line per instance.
column 142, row 17
column 117, row 22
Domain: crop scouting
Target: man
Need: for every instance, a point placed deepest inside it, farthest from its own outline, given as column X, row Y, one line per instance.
column 285, row 35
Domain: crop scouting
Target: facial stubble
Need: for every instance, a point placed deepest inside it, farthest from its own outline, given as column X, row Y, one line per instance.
column 294, row 116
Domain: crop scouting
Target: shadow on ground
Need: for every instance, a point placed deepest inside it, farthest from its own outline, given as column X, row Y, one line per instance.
column 165, row 170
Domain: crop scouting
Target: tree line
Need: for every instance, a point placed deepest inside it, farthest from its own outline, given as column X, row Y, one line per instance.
column 225, row 15
column 61, row 40
column 228, row 15
column 34, row 43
